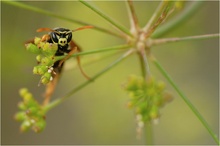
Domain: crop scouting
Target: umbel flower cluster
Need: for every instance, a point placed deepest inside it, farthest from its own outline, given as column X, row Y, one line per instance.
column 45, row 57
column 31, row 114
column 147, row 96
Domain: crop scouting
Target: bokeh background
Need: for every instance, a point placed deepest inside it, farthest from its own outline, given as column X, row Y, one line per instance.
column 97, row 114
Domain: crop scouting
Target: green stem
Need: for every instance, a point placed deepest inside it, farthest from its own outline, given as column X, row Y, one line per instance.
column 149, row 133
column 107, row 18
column 189, row 38
column 132, row 17
column 155, row 16
column 119, row 47
column 186, row 100
column 60, row 100
column 178, row 20
column 48, row 13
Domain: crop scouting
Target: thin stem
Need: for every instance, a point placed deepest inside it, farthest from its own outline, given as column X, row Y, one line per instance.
column 144, row 62
column 107, row 18
column 132, row 17
column 149, row 133
column 60, row 100
column 161, row 19
column 155, row 16
column 189, row 38
column 186, row 100
column 178, row 19
column 48, row 13
column 119, row 47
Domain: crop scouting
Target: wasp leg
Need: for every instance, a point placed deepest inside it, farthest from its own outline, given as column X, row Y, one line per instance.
column 74, row 49
column 45, row 37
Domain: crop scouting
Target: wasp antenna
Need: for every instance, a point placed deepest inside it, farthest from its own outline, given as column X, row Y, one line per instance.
column 84, row 27
column 44, row 29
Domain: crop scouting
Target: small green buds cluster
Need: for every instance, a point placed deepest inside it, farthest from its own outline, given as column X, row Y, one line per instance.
column 45, row 57
column 147, row 96
column 31, row 114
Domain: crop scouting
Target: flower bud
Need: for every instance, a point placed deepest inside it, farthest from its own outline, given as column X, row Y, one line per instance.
column 154, row 112
column 25, row 126
column 20, row 116
column 33, row 48
column 37, row 40
column 39, row 126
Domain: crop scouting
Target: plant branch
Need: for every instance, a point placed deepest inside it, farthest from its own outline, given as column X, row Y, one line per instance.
column 161, row 19
column 60, row 100
column 178, row 19
column 132, row 17
column 178, row 39
column 155, row 16
column 48, row 13
column 119, row 47
column 186, row 100
column 107, row 18
column 143, row 60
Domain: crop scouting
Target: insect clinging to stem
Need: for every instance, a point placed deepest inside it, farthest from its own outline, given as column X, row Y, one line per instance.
column 66, row 46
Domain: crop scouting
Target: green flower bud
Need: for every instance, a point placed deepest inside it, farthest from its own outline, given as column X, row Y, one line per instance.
column 38, row 58
column 23, row 91
column 154, row 112
column 33, row 110
column 160, row 86
column 40, row 69
column 151, row 92
column 158, row 100
column 33, row 48
column 27, row 97
column 20, row 116
column 48, row 61
column 22, row 106
column 25, row 126
column 37, row 40
column 48, row 48
column 39, row 126
column 46, row 78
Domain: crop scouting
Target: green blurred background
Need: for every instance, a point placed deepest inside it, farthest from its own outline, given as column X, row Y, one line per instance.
column 97, row 114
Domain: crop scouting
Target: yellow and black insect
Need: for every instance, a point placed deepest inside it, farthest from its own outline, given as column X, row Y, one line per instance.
column 62, row 37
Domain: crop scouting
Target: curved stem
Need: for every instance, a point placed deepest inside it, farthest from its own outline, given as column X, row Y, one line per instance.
column 186, row 100
column 48, row 13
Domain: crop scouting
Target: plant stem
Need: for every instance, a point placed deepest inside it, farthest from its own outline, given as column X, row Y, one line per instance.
column 69, row 94
column 107, row 18
column 161, row 19
column 189, row 38
column 48, row 13
column 149, row 133
column 186, row 100
column 155, row 16
column 133, row 18
column 178, row 19
column 119, row 47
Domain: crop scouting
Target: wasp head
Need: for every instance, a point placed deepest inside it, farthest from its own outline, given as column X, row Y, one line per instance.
column 61, row 36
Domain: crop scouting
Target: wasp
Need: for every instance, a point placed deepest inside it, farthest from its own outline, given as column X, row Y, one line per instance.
column 66, row 46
